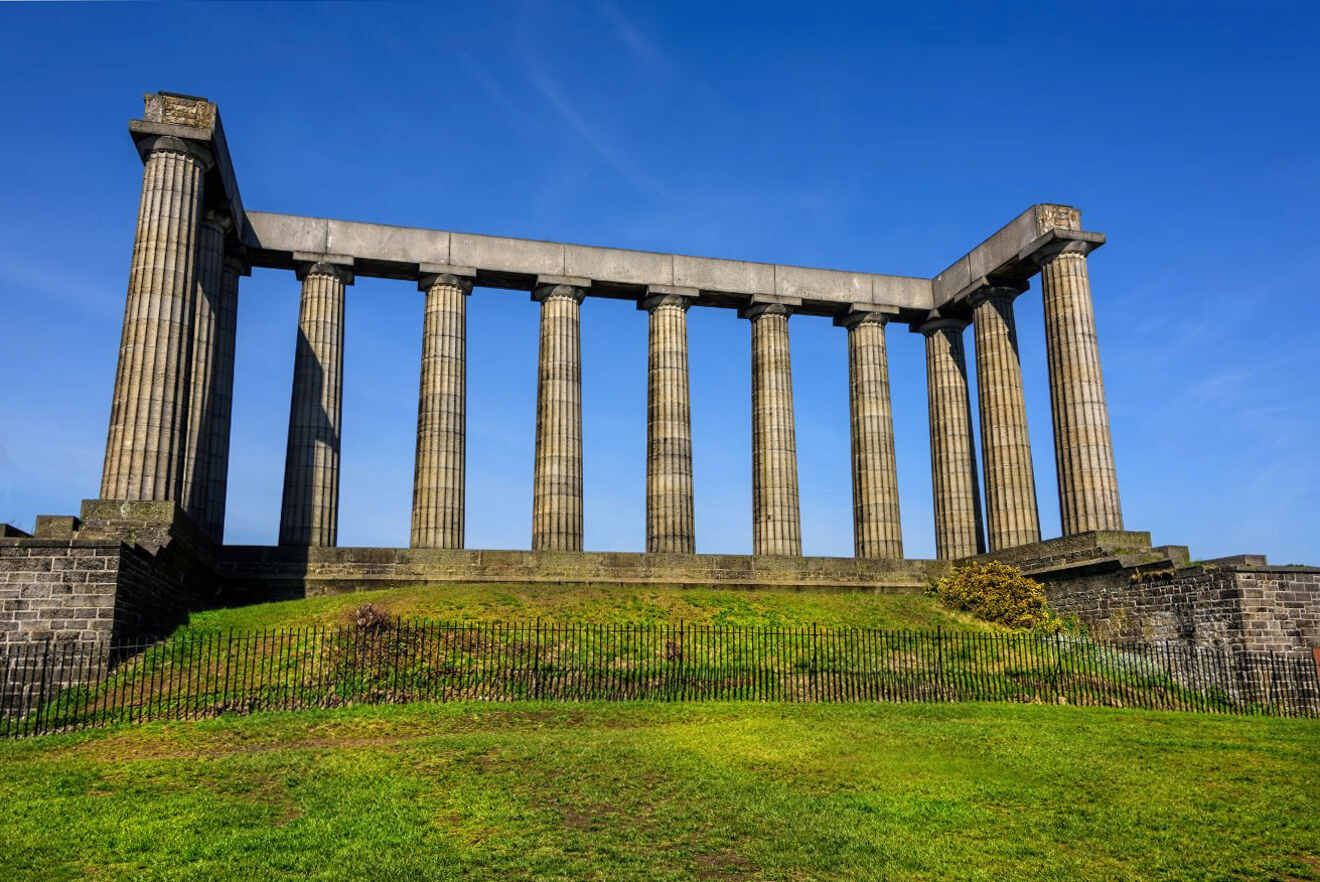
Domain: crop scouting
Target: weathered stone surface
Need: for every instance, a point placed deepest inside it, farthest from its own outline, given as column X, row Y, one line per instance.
column 877, row 531
column 1083, row 451
column 1010, row 483
column 952, row 459
column 212, row 519
column 309, row 514
column 776, row 520
column 144, row 456
column 197, row 459
column 670, row 519
column 501, row 261
column 440, row 472
column 557, row 472
column 265, row 573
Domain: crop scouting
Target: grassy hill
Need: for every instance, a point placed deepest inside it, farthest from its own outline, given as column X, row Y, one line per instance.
column 631, row 604
column 667, row 792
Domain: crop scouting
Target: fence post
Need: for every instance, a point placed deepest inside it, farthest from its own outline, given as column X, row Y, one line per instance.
column 939, row 660
column 815, row 681
column 536, row 662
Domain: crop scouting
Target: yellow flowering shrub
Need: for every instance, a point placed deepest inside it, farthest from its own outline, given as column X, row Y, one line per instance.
column 996, row 592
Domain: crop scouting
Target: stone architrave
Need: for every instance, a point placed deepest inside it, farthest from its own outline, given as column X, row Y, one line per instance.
column 776, row 518
column 670, row 518
column 877, row 530
column 310, row 511
column 440, row 472
column 557, row 473
column 145, row 445
column 1010, row 483
column 952, row 459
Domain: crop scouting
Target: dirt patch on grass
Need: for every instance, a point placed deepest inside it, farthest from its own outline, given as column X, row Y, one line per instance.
column 724, row 865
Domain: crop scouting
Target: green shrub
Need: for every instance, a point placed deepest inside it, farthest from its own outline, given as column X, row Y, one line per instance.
column 996, row 592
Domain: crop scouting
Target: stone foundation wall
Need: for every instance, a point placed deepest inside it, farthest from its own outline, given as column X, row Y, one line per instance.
column 255, row 573
column 1257, row 608
column 1123, row 589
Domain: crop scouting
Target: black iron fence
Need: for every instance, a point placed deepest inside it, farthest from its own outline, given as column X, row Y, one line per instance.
column 48, row 688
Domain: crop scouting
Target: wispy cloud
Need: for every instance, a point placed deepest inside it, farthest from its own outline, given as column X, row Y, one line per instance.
column 590, row 132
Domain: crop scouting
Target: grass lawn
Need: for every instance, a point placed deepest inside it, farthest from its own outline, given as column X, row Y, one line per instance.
column 660, row 791
column 632, row 604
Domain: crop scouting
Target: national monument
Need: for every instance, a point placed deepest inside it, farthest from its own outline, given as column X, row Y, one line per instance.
column 151, row 547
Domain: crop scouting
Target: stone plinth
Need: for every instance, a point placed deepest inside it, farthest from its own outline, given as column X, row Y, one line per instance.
column 310, row 511
column 776, row 521
column 557, row 478
column 670, row 521
column 439, row 476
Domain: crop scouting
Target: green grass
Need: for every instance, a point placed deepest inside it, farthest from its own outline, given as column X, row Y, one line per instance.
column 633, row 604
column 659, row 792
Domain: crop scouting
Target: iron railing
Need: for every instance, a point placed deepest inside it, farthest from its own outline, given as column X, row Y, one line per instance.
column 49, row 687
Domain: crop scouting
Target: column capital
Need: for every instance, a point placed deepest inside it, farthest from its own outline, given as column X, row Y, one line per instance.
column 460, row 277
column 758, row 308
column 859, row 315
column 557, row 291
column 667, row 295
column 149, row 144
column 334, row 265
column 940, row 323
column 221, row 220
column 996, row 291
column 238, row 264
column 1050, row 244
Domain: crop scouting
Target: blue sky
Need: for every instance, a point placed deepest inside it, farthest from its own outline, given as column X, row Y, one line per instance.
column 878, row 139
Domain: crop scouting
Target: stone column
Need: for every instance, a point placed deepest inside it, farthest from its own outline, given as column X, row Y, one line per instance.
column 776, row 521
column 226, row 328
column 205, row 338
column 1083, row 451
column 877, row 531
column 1010, row 483
column 952, row 460
column 438, row 478
column 670, row 522
column 557, row 481
column 310, row 511
column 144, row 451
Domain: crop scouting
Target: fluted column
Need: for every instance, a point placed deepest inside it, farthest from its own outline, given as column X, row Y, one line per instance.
column 952, row 459
column 670, row 522
column 776, row 521
column 310, row 511
column 557, row 479
column 144, row 451
column 877, row 531
column 1083, row 451
column 222, row 408
column 438, row 478
column 201, row 379
column 1010, row 482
